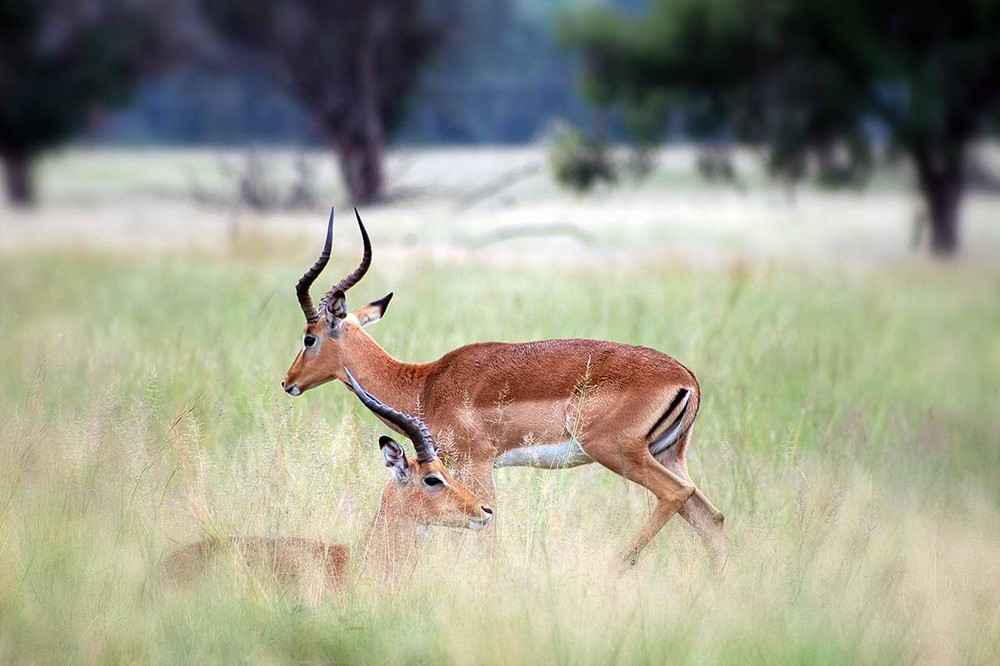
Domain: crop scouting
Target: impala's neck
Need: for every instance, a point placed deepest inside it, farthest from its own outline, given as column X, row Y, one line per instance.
column 396, row 383
column 390, row 540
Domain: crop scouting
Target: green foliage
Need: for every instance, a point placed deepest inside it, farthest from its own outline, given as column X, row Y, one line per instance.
column 578, row 163
column 468, row 91
column 806, row 79
column 320, row 50
column 58, row 64
column 61, row 64
column 499, row 77
column 351, row 64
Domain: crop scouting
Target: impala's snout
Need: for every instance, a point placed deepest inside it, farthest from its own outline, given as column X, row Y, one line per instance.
column 291, row 389
column 483, row 520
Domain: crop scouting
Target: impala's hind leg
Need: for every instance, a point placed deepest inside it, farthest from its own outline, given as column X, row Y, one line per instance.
column 637, row 465
column 707, row 522
column 698, row 511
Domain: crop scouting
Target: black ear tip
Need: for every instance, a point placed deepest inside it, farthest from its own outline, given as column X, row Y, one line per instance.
column 387, row 298
column 385, row 441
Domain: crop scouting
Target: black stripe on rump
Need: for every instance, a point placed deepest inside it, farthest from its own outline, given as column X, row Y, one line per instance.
column 673, row 405
column 669, row 437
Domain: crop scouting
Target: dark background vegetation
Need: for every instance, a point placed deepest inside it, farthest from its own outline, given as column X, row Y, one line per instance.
column 828, row 89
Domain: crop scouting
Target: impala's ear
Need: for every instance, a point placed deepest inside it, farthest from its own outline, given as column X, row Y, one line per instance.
column 371, row 313
column 394, row 457
column 336, row 308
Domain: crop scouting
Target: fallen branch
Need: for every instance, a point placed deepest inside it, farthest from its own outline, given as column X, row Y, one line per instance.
column 527, row 231
column 496, row 185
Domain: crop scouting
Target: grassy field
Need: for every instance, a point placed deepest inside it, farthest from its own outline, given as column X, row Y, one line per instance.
column 849, row 432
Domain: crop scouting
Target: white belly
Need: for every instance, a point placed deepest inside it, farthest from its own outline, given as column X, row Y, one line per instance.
column 548, row 456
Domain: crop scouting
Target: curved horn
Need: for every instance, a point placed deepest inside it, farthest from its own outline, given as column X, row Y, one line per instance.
column 302, row 287
column 412, row 427
column 366, row 261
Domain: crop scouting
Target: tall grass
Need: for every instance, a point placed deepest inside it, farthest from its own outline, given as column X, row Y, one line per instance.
column 849, row 432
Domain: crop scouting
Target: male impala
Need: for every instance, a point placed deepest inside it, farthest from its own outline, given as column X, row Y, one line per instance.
column 422, row 492
column 561, row 403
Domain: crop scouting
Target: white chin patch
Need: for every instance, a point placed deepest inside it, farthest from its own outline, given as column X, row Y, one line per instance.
column 476, row 525
column 296, row 391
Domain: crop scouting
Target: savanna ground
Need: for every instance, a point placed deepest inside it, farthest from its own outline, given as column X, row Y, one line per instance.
column 849, row 429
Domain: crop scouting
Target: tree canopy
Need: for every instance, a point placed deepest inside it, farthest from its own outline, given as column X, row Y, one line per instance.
column 352, row 64
column 59, row 62
column 810, row 78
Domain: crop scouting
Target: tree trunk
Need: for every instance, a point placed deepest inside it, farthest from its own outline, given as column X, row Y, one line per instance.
column 18, row 181
column 944, row 206
column 361, row 166
column 361, row 138
column 942, row 184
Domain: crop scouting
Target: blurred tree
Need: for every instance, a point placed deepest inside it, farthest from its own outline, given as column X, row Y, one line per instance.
column 350, row 63
column 469, row 92
column 60, row 62
column 826, row 79
column 500, row 77
column 578, row 163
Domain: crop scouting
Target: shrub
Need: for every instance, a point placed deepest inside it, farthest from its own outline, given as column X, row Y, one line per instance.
column 578, row 163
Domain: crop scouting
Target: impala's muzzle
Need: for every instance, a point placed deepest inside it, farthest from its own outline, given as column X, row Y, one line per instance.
column 483, row 521
column 291, row 389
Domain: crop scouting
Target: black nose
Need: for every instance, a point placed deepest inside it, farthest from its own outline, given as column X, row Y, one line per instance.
column 282, row 383
column 487, row 510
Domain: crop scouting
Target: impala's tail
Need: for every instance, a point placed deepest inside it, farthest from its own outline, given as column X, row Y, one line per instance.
column 667, row 436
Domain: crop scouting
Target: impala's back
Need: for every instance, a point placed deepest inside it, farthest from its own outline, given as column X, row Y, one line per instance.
column 289, row 559
column 553, row 393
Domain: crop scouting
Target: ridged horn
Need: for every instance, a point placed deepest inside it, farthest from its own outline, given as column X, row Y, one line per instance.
column 359, row 272
column 302, row 287
column 415, row 429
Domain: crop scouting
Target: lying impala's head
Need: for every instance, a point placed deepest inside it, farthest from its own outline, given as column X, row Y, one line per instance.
column 423, row 490
column 322, row 353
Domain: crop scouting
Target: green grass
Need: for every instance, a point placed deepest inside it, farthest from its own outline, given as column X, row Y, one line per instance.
column 849, row 432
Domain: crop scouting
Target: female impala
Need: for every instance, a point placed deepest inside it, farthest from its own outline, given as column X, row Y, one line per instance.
column 422, row 492
column 551, row 403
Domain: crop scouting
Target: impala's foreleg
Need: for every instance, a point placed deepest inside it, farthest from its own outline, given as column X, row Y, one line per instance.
column 475, row 470
column 480, row 480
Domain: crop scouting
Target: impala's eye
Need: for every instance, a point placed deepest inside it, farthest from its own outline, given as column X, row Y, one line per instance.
column 433, row 481
column 309, row 340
